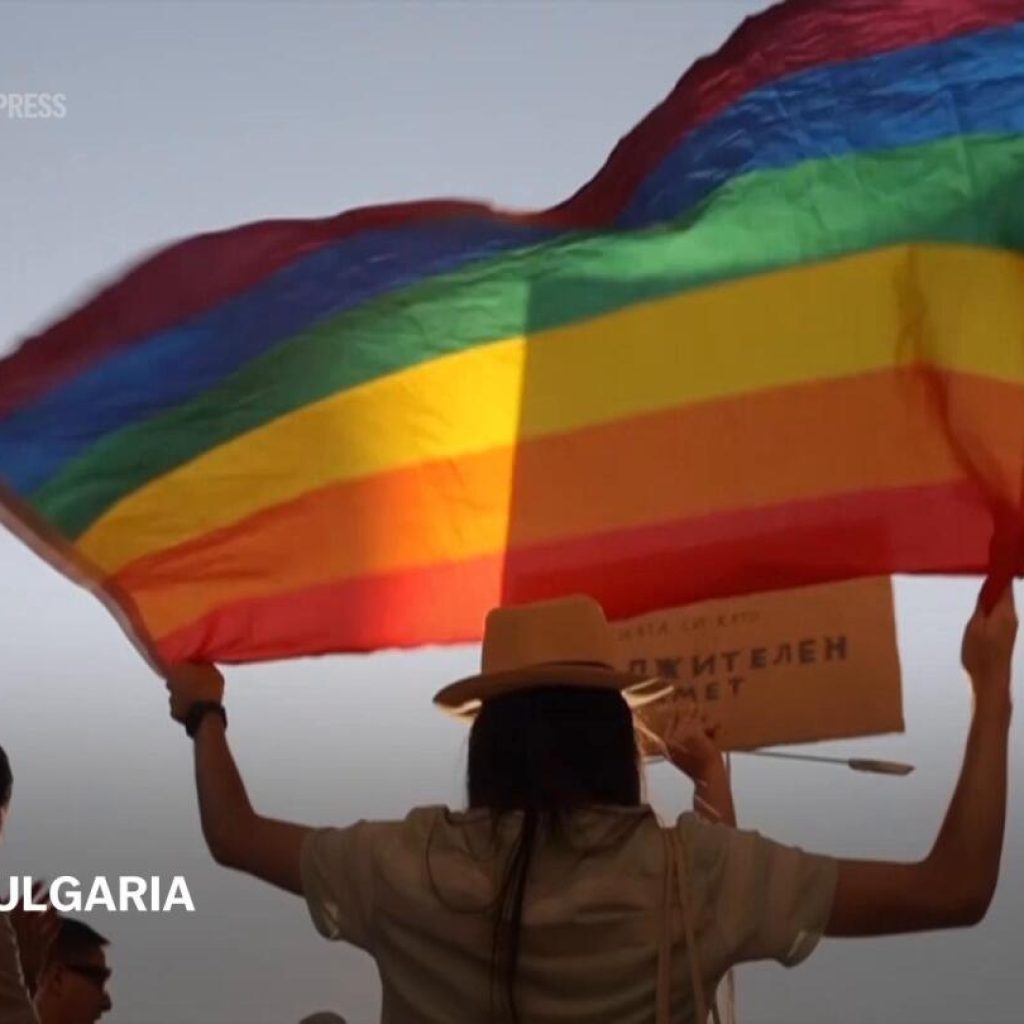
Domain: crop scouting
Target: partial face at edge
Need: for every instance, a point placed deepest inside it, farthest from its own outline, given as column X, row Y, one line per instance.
column 77, row 990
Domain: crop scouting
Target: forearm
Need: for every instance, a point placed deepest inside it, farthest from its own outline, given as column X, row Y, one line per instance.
column 953, row 886
column 224, row 808
column 969, row 845
column 712, row 794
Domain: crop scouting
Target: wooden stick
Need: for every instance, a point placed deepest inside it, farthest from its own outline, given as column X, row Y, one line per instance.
column 857, row 764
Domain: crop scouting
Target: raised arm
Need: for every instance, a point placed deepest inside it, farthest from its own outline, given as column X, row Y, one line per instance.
column 690, row 745
column 236, row 835
column 953, row 886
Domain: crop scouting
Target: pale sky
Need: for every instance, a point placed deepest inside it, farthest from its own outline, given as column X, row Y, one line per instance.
column 190, row 116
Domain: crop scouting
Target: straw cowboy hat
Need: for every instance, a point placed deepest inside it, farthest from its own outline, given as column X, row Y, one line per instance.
column 564, row 642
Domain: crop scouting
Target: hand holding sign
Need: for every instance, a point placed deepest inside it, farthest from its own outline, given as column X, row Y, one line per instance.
column 686, row 735
column 785, row 667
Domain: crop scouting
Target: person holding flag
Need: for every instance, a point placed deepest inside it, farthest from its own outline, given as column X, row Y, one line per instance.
column 557, row 894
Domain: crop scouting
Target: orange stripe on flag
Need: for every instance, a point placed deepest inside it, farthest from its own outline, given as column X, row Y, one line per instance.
column 791, row 445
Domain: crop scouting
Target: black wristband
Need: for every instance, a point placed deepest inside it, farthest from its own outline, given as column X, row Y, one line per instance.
column 198, row 711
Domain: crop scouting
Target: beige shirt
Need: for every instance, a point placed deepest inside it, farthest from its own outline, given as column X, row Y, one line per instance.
column 415, row 894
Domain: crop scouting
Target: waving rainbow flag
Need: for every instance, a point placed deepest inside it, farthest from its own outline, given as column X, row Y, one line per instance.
column 778, row 339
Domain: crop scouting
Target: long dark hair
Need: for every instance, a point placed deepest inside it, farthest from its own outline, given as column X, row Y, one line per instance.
column 6, row 780
column 545, row 752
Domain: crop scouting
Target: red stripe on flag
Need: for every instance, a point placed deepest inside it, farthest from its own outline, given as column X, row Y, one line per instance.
column 629, row 572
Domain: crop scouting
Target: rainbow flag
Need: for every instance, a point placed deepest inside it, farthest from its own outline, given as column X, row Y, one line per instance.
column 777, row 340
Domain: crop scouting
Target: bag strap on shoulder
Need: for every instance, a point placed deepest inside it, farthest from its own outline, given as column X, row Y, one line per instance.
column 676, row 869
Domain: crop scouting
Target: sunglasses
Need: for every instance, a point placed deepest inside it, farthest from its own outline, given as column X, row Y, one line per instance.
column 99, row 975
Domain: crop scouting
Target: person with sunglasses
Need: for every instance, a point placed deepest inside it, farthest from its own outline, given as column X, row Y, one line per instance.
column 73, row 986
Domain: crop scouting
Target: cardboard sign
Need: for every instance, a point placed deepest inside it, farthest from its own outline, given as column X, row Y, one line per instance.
column 786, row 667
